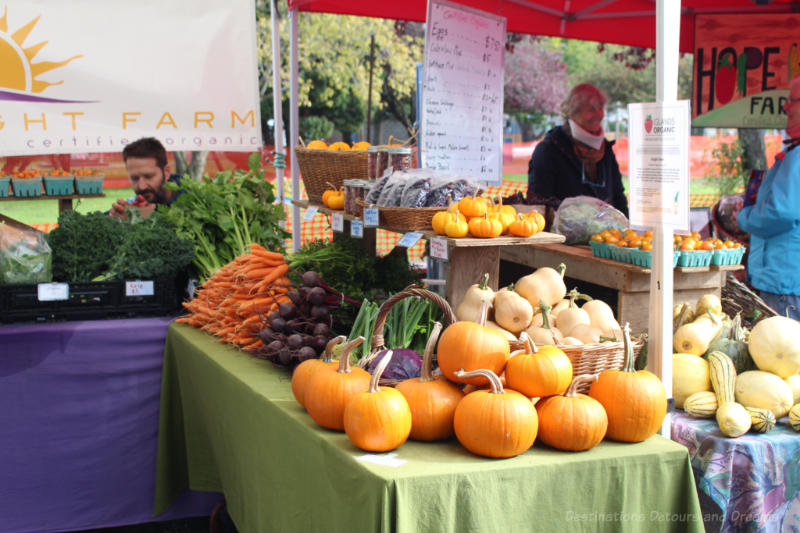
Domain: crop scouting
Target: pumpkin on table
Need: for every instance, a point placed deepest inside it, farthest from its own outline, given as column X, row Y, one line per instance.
column 485, row 227
column 378, row 419
column 496, row 422
column 432, row 400
column 302, row 374
column 538, row 371
column 573, row 422
column 635, row 400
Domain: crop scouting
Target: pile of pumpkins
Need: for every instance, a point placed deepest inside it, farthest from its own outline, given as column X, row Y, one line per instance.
column 539, row 305
column 495, row 402
column 339, row 146
column 747, row 380
column 477, row 216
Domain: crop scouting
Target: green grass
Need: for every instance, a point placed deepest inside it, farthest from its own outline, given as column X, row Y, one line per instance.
column 45, row 211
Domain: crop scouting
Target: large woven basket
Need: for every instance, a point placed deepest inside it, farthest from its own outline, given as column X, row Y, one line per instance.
column 322, row 168
column 594, row 358
column 383, row 312
column 405, row 218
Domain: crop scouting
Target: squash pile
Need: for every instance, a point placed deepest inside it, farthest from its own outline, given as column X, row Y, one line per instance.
column 476, row 216
column 745, row 385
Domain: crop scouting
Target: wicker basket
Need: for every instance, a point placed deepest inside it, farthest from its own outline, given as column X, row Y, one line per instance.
column 405, row 218
column 594, row 358
column 383, row 312
column 322, row 168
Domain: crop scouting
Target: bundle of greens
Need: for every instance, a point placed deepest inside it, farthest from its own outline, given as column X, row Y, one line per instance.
column 84, row 245
column 223, row 214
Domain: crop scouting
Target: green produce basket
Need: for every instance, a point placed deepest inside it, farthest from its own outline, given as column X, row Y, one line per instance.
column 621, row 254
column 695, row 258
column 601, row 249
column 643, row 258
column 59, row 185
column 5, row 181
column 676, row 255
column 728, row 256
column 27, row 186
column 89, row 184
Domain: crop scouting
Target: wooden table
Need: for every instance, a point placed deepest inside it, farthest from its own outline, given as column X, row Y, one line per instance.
column 468, row 258
column 631, row 282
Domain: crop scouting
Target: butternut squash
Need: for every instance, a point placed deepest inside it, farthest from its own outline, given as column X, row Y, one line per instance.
column 512, row 312
column 471, row 302
column 572, row 316
column 601, row 315
column 545, row 284
column 586, row 333
column 696, row 336
column 544, row 334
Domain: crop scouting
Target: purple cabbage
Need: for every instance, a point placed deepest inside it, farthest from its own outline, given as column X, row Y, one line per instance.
column 405, row 364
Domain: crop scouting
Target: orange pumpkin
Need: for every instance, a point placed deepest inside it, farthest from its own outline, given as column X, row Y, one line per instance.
column 456, row 225
column 635, row 401
column 467, row 345
column 432, row 400
column 485, row 227
column 523, row 226
column 541, row 371
column 329, row 389
column 573, row 422
column 303, row 372
column 496, row 422
column 379, row 419
column 473, row 206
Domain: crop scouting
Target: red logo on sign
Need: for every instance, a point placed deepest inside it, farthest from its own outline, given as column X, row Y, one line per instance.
column 648, row 124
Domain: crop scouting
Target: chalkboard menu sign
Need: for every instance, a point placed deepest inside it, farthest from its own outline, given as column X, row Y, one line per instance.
column 462, row 93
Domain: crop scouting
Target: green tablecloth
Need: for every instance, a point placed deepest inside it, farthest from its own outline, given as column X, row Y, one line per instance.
column 230, row 423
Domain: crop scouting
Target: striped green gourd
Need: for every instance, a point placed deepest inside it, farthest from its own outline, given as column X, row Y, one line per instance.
column 762, row 419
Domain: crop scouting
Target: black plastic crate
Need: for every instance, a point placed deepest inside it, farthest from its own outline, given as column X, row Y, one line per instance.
column 90, row 301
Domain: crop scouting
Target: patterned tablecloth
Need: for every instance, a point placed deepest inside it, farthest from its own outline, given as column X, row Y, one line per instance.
column 754, row 479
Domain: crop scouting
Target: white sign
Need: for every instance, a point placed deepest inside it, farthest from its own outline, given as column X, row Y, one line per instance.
column 439, row 248
column 337, row 222
column 462, row 92
column 658, row 175
column 139, row 288
column 371, row 217
column 311, row 212
column 92, row 76
column 409, row 239
column 386, row 459
column 52, row 292
column 356, row 229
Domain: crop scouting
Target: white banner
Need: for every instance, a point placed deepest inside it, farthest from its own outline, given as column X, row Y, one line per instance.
column 93, row 75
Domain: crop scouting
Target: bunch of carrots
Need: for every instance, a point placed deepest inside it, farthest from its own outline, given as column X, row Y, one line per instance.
column 233, row 303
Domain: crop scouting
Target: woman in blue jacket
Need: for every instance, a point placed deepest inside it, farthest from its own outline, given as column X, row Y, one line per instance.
column 773, row 222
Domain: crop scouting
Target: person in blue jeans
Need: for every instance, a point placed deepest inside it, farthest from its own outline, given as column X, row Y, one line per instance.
column 773, row 222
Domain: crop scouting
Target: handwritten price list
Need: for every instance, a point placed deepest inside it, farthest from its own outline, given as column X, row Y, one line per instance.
column 462, row 107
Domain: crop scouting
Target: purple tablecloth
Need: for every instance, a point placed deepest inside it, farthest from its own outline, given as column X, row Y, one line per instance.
column 79, row 406
column 754, row 479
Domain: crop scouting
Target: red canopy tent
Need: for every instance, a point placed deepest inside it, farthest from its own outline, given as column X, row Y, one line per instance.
column 630, row 22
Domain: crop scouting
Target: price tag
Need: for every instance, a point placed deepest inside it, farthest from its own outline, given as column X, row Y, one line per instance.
column 337, row 222
column 139, row 288
column 356, row 229
column 52, row 292
column 439, row 248
column 371, row 217
column 409, row 239
column 310, row 213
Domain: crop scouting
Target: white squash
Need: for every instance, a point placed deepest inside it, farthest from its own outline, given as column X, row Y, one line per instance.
column 689, row 375
column 545, row 284
column 586, row 333
column 471, row 302
column 794, row 383
column 756, row 388
column 775, row 345
column 511, row 311
column 601, row 315
column 571, row 341
column 560, row 306
column 571, row 316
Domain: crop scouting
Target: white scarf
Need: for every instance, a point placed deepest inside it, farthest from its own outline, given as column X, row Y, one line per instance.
column 589, row 139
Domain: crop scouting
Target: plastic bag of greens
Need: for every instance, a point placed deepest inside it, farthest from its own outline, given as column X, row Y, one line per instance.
column 24, row 256
column 580, row 217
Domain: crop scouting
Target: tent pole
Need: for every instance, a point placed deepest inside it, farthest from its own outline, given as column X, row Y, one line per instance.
column 293, row 128
column 668, row 13
column 276, row 97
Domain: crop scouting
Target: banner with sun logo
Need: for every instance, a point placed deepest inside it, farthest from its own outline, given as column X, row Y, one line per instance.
column 92, row 76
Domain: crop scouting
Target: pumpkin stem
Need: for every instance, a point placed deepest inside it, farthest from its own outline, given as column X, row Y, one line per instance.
column 378, row 372
column 485, row 283
column 528, row 342
column 573, row 295
column 628, row 346
column 483, row 312
column 572, row 391
column 344, row 358
column 327, row 354
column 427, row 358
column 545, row 314
column 494, row 381
column 562, row 268
column 449, row 203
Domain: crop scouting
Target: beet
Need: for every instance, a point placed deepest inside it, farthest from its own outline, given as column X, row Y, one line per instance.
column 319, row 313
column 278, row 324
column 405, row 364
column 294, row 341
column 266, row 335
column 310, row 278
column 317, row 296
column 319, row 342
column 286, row 310
column 285, row 356
column 306, row 352
column 321, row 329
column 295, row 297
column 274, row 346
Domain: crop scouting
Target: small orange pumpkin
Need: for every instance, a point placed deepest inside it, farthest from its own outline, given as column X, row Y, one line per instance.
column 496, row 422
column 456, row 226
column 303, row 372
column 635, row 401
column 329, row 389
column 473, row 206
column 379, row 419
column 432, row 400
column 573, row 422
column 541, row 371
column 467, row 345
column 485, row 227
column 523, row 227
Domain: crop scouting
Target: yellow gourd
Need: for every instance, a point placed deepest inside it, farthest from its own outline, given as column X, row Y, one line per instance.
column 732, row 418
column 456, row 226
column 695, row 337
column 511, row 311
column 701, row 404
column 708, row 303
column 545, row 284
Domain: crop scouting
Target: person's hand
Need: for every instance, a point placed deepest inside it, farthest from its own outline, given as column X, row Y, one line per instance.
column 118, row 208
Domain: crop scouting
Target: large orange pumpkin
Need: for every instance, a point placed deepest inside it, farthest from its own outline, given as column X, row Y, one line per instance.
column 303, row 372
column 432, row 400
column 378, row 419
column 539, row 372
column 496, row 422
column 635, row 401
column 467, row 345
column 330, row 388
column 573, row 422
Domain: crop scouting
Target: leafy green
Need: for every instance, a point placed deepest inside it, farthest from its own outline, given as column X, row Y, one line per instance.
column 25, row 256
column 223, row 214
column 84, row 245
